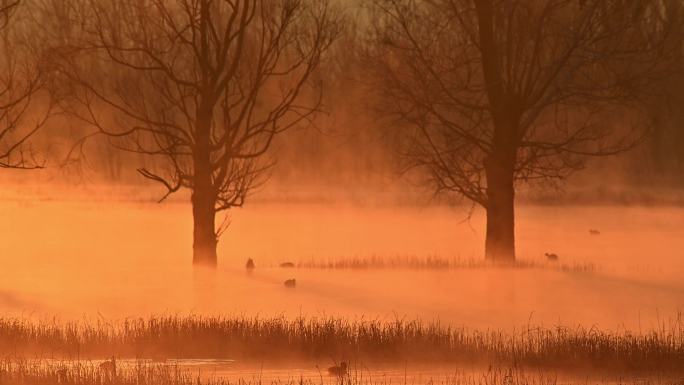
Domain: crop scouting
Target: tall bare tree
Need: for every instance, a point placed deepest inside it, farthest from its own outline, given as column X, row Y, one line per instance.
column 21, row 83
column 662, row 160
column 205, row 85
column 496, row 92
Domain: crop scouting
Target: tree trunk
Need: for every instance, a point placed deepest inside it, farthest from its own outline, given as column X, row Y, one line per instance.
column 500, row 241
column 499, row 167
column 203, row 194
column 204, row 235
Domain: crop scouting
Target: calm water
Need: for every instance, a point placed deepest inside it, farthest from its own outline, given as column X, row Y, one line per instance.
column 119, row 260
column 315, row 373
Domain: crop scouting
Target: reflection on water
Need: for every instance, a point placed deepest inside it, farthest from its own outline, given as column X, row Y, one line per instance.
column 311, row 373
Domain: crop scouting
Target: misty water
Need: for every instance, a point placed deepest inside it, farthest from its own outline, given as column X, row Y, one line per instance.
column 119, row 260
column 116, row 260
column 303, row 372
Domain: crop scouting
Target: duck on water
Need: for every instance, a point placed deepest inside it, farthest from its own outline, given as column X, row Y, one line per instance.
column 108, row 367
column 338, row 370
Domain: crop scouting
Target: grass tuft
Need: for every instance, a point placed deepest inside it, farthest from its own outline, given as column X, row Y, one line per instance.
column 439, row 263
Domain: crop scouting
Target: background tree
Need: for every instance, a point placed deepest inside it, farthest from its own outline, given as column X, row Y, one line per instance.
column 661, row 162
column 491, row 93
column 203, row 84
column 24, row 109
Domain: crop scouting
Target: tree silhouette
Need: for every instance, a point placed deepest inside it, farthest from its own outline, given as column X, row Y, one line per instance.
column 21, row 81
column 493, row 93
column 204, row 85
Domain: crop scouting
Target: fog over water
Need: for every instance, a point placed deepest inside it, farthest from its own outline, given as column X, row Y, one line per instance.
column 119, row 260
column 347, row 192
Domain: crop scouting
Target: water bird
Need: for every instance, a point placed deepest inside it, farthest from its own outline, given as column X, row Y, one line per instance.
column 287, row 264
column 108, row 367
column 551, row 256
column 594, row 232
column 338, row 370
column 250, row 264
column 291, row 283
column 62, row 376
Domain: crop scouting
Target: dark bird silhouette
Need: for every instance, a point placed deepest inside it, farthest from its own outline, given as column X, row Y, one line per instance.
column 250, row 264
column 551, row 256
column 594, row 232
column 62, row 375
column 108, row 367
column 291, row 283
column 338, row 370
column 287, row 264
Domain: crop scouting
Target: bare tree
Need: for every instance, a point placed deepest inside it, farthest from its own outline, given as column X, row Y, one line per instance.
column 661, row 162
column 205, row 85
column 496, row 92
column 21, row 81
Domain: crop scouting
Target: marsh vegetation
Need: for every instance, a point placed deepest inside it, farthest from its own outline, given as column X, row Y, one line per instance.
column 302, row 192
column 316, row 339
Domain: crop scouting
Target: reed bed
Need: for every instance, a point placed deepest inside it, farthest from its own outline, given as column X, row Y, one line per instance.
column 280, row 338
column 21, row 372
column 439, row 263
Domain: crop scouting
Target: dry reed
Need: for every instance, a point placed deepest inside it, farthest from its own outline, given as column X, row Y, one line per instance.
column 280, row 338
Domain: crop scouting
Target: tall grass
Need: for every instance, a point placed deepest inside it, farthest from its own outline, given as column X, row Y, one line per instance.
column 280, row 338
column 20, row 372
column 439, row 263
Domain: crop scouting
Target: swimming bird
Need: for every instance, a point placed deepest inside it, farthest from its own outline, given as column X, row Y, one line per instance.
column 594, row 232
column 250, row 264
column 291, row 283
column 551, row 256
column 108, row 367
column 62, row 375
column 338, row 371
column 287, row 264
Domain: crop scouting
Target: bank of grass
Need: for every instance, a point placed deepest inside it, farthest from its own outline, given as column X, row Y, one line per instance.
column 399, row 341
column 440, row 263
